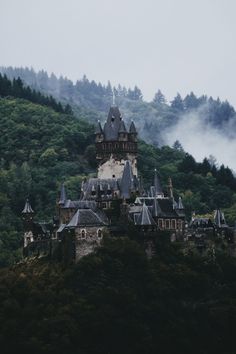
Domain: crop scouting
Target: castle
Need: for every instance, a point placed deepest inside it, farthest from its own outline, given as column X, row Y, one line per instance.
column 108, row 203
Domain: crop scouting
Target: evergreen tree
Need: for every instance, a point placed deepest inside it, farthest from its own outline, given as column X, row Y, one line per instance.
column 178, row 103
column 159, row 99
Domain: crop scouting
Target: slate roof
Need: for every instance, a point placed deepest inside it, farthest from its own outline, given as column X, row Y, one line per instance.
column 82, row 204
column 27, row 208
column 165, row 206
column 132, row 128
column 85, row 217
column 122, row 127
column 112, row 125
column 145, row 217
column 61, row 228
column 127, row 181
column 104, row 186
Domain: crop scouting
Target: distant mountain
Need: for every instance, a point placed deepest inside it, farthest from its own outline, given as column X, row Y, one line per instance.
column 156, row 120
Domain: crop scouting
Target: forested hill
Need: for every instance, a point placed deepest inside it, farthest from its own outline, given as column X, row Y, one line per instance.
column 116, row 301
column 154, row 119
column 40, row 148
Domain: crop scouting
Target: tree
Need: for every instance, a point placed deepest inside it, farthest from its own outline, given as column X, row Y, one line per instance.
column 178, row 103
column 135, row 94
column 159, row 99
column 178, row 146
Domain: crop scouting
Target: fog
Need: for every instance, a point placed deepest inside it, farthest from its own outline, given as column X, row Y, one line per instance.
column 201, row 140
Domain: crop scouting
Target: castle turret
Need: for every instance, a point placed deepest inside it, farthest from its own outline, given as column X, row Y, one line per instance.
column 133, row 132
column 99, row 133
column 27, row 217
column 27, row 213
column 122, row 134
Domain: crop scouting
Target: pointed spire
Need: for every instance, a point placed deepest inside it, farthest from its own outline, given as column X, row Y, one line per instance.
column 217, row 218
column 180, row 204
column 157, row 184
column 170, row 188
column 145, row 217
column 156, row 210
column 122, row 127
column 27, row 208
column 63, row 197
column 126, row 184
column 132, row 128
column 98, row 129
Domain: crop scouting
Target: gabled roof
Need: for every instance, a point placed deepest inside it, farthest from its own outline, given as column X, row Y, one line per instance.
column 85, row 217
column 127, row 181
column 63, row 197
column 132, row 128
column 27, row 208
column 145, row 217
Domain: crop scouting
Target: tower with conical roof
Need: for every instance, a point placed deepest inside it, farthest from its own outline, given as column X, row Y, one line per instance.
column 27, row 217
column 115, row 144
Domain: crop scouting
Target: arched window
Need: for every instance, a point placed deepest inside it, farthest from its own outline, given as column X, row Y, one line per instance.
column 99, row 233
column 83, row 233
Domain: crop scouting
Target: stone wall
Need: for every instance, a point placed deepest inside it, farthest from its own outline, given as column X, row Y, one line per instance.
column 115, row 167
column 87, row 242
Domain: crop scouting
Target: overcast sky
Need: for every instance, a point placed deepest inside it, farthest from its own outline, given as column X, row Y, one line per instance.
column 174, row 45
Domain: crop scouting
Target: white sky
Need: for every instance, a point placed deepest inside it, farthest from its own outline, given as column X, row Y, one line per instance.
column 174, row 45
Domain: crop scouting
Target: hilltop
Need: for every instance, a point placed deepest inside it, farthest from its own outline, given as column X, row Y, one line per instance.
column 157, row 120
column 41, row 147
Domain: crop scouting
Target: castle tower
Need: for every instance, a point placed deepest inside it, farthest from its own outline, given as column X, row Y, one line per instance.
column 27, row 217
column 115, row 145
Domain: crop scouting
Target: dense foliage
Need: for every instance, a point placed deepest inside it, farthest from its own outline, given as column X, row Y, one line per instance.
column 40, row 148
column 15, row 88
column 154, row 119
column 116, row 301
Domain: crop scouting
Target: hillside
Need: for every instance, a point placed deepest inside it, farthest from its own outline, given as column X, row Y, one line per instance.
column 123, row 302
column 203, row 125
column 40, row 148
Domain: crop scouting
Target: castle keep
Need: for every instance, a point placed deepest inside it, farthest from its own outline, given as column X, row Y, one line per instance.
column 108, row 203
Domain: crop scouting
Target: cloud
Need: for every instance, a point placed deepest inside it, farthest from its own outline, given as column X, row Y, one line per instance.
column 200, row 139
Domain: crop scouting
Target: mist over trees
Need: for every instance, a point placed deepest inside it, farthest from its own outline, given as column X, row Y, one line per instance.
column 153, row 119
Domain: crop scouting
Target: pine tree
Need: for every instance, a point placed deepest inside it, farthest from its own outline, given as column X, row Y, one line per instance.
column 178, row 103
column 159, row 99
